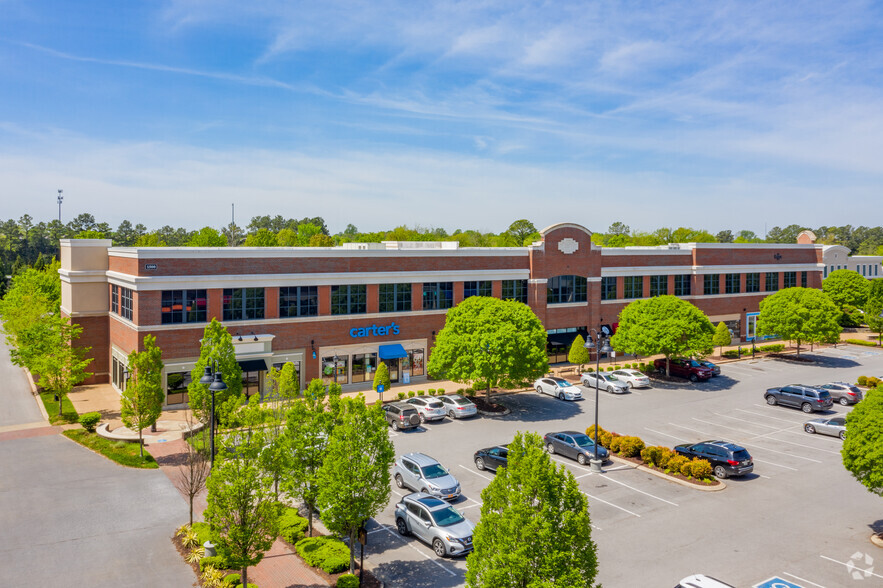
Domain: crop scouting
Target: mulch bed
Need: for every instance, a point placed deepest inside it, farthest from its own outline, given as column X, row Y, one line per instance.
column 368, row 580
column 789, row 357
column 693, row 481
column 482, row 404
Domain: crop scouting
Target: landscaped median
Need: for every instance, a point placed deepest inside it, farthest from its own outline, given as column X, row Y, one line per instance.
column 122, row 452
column 659, row 461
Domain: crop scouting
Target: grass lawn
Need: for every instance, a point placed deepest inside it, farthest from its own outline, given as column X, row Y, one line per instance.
column 68, row 412
column 119, row 451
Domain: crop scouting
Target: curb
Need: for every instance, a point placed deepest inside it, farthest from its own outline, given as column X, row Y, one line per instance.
column 720, row 486
column 485, row 413
column 36, row 395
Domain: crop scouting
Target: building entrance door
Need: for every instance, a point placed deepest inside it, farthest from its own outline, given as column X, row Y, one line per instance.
column 393, row 367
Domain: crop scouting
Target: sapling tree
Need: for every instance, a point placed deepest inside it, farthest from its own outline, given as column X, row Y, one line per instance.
column 142, row 399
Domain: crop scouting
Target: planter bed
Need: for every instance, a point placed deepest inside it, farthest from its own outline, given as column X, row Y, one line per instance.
column 638, row 463
column 368, row 581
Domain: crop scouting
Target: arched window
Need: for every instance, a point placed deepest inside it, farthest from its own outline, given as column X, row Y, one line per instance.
column 563, row 289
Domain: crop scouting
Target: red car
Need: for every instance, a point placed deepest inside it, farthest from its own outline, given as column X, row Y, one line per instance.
column 684, row 368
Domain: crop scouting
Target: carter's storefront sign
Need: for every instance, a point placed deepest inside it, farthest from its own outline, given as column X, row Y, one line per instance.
column 374, row 331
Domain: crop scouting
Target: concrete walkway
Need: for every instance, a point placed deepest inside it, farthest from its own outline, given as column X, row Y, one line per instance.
column 19, row 406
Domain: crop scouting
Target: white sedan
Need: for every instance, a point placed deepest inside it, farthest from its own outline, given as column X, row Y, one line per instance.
column 603, row 382
column 558, row 387
column 632, row 378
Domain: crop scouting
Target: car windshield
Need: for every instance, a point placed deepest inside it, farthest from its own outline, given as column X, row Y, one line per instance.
column 694, row 363
column 824, row 394
column 462, row 401
column 562, row 383
column 583, row 440
column 447, row 517
column 741, row 455
column 433, row 471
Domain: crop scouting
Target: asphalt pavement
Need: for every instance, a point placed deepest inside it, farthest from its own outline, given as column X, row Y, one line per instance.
column 17, row 404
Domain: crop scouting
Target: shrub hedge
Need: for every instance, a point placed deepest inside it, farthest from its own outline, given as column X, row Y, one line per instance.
column 401, row 395
column 630, row 446
column 219, row 562
column 862, row 342
column 292, row 526
column 236, row 580
column 90, row 420
column 862, row 381
column 347, row 581
column 328, row 553
column 772, row 348
column 675, row 464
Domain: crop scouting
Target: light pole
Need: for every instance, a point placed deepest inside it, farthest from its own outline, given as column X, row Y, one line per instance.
column 601, row 347
column 60, row 198
column 213, row 378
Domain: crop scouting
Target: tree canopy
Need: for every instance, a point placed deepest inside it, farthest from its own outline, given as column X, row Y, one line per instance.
column 142, row 400
column 663, row 325
column 578, row 353
column 535, row 529
column 874, row 309
column 721, row 336
column 216, row 351
column 490, row 341
column 863, row 447
column 846, row 287
column 804, row 315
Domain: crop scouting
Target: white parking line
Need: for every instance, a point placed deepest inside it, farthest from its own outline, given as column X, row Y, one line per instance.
column 411, row 545
column 726, row 416
column 855, row 567
column 751, row 444
column 474, row 472
column 775, row 464
column 767, row 435
column 666, row 435
column 641, row 491
column 634, row 514
column 397, row 493
column 803, row 579
column 768, row 416
column 567, row 463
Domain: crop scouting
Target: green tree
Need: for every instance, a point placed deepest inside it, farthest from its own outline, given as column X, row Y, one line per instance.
column 262, row 238
column 286, row 238
column 321, row 240
column 804, row 315
column 142, row 399
column 32, row 296
column 381, row 376
column 281, row 390
column 721, row 337
column 520, row 229
column 863, row 447
column 150, row 240
column 578, row 353
column 305, row 232
column 663, row 324
column 216, row 351
column 846, row 287
column 874, row 309
column 207, row 237
column 490, row 341
column 724, row 236
column 241, row 509
column 354, row 483
column 309, row 425
column 57, row 361
column 535, row 529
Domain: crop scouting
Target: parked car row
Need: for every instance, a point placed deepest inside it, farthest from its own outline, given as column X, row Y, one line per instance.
column 413, row 412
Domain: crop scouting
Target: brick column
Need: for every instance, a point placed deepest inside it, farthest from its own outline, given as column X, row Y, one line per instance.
column 373, row 294
column 416, row 296
column 271, row 303
column 215, row 304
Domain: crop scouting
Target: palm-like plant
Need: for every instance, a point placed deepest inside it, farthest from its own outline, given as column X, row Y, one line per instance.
column 189, row 538
column 196, row 554
column 212, row 577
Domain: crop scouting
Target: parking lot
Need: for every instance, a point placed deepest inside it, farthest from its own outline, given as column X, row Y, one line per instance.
column 799, row 517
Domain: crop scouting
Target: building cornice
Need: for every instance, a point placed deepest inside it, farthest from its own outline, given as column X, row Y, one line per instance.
column 153, row 253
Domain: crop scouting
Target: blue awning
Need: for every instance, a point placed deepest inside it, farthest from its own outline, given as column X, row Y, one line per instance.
column 392, row 351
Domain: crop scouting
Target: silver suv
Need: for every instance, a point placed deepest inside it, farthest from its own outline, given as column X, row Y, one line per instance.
column 436, row 523
column 421, row 473
column 843, row 393
column 429, row 409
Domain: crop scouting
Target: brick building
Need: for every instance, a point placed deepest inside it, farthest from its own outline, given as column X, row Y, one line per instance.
column 363, row 303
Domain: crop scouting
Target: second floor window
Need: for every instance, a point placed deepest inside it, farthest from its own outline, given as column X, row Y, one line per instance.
column 183, row 306
column 562, row 289
column 351, row 299
column 242, row 304
column 711, row 284
column 790, row 279
column 438, row 295
column 732, row 284
column 682, row 285
column 658, row 285
column 395, row 297
column 121, row 301
column 298, row 301
column 772, row 281
column 476, row 289
column 803, row 279
column 633, row 286
column 752, row 282
column 114, row 299
column 608, row 288
column 515, row 290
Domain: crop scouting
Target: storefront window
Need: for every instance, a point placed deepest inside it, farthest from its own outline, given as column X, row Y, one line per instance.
column 515, row 290
column 658, row 286
column 176, row 387
column 364, row 366
column 416, row 362
column 251, row 383
column 565, row 289
column 482, row 288
column 338, row 373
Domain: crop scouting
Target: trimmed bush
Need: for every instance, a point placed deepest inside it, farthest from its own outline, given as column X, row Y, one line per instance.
column 328, row 553
column 610, row 368
column 700, row 469
column 411, row 394
column 236, row 580
column 615, row 443
column 203, row 532
column 292, row 526
column 665, row 455
column 773, row 348
column 853, row 341
column 630, row 446
column 219, row 562
column 873, row 382
column 686, row 469
column 401, row 395
column 675, row 464
column 347, row 581
column 862, row 381
column 421, row 392
column 470, row 392
column 461, row 391
column 90, row 420
column 432, row 391
column 651, row 455
column 731, row 354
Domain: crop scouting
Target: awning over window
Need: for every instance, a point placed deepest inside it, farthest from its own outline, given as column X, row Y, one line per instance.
column 392, row 351
column 253, row 365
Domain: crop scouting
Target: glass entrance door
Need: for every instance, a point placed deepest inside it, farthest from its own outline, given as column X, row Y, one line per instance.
column 393, row 366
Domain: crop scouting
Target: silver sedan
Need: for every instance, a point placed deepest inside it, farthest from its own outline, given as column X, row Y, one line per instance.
column 836, row 427
column 604, row 382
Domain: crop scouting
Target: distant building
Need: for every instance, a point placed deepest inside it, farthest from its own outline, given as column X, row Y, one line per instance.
column 837, row 257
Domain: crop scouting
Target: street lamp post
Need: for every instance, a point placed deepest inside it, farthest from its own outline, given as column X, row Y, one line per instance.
column 60, row 198
column 213, row 378
column 602, row 346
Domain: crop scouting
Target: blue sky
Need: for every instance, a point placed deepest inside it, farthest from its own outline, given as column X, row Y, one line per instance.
column 454, row 114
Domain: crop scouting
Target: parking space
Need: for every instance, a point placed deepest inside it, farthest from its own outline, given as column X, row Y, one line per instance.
column 648, row 528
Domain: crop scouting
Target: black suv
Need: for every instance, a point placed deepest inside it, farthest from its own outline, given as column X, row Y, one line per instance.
column 726, row 459
column 806, row 398
column 401, row 416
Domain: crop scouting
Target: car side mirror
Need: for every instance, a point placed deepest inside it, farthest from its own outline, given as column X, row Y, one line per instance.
column 427, row 524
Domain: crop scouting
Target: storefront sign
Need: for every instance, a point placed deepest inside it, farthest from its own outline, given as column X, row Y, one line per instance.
column 374, row 331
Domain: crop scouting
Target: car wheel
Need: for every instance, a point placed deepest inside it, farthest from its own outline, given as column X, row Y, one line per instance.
column 809, row 429
column 720, row 472
column 561, row 396
column 399, row 482
column 842, row 435
column 581, row 459
column 422, row 419
column 611, row 390
column 424, row 490
column 844, row 401
column 402, row 527
column 771, row 400
column 451, row 415
column 438, row 547
column 806, row 407
column 629, row 386
column 539, row 390
column 479, row 464
column 395, row 426
column 551, row 449
column 693, row 378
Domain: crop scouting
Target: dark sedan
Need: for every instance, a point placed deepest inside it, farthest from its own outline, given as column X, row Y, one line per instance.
column 726, row 459
column 574, row 445
column 491, row 458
